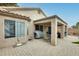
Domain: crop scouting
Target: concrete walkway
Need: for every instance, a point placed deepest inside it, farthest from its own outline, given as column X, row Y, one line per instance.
column 41, row 48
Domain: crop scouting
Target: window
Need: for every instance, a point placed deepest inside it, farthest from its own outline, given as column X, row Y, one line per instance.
column 49, row 30
column 13, row 28
column 36, row 27
column 39, row 27
column 9, row 28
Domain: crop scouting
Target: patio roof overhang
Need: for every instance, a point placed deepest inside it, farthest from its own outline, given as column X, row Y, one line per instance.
column 48, row 19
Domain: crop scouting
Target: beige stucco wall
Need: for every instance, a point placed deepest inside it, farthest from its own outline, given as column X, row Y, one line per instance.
column 11, row 41
column 34, row 15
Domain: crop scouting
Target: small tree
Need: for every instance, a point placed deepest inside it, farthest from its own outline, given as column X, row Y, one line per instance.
column 77, row 26
column 73, row 26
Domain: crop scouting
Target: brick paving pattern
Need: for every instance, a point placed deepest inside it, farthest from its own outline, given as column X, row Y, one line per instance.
column 41, row 48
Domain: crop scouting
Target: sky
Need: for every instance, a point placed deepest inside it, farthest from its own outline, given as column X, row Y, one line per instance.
column 68, row 12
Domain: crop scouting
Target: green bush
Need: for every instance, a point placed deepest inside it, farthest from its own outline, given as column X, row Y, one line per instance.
column 76, row 42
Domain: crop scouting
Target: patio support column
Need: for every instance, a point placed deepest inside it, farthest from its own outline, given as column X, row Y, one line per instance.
column 63, row 31
column 66, row 31
column 44, row 31
column 54, row 32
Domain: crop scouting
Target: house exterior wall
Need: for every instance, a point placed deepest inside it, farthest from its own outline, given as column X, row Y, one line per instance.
column 34, row 15
column 11, row 41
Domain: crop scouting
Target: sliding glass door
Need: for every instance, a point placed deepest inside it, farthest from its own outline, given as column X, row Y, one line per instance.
column 20, row 29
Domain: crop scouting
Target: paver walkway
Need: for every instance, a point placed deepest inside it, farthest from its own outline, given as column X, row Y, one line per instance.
column 41, row 48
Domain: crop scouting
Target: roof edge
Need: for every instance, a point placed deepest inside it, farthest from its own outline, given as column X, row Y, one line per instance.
column 24, row 8
column 11, row 14
column 54, row 16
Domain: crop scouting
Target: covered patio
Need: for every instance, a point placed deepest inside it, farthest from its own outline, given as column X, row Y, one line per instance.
column 53, row 27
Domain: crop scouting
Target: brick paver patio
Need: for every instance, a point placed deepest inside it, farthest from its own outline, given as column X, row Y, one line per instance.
column 41, row 48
